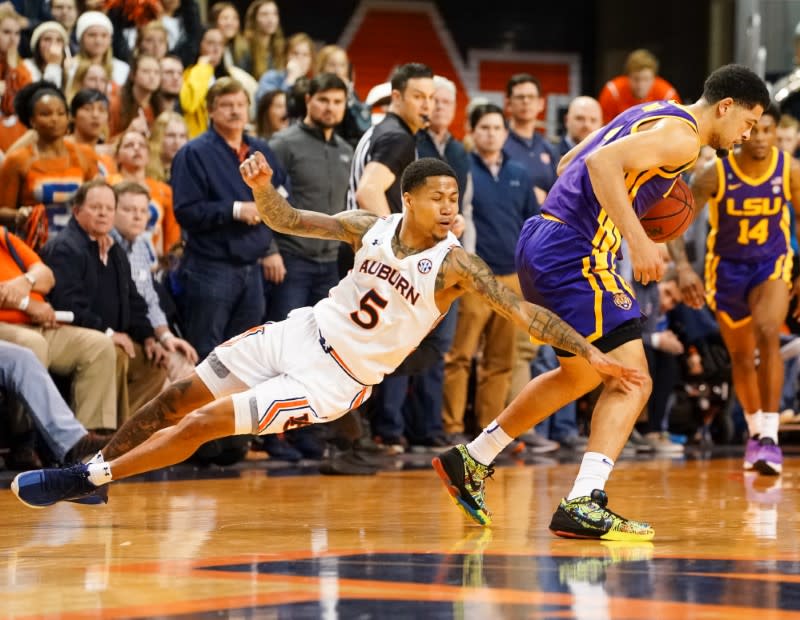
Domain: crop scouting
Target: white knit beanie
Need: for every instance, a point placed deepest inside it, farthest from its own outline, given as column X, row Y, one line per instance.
column 89, row 19
column 45, row 27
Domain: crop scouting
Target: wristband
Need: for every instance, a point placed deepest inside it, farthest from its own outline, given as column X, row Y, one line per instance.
column 23, row 305
column 237, row 209
column 165, row 337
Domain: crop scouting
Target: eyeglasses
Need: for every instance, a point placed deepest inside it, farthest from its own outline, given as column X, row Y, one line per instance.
column 524, row 97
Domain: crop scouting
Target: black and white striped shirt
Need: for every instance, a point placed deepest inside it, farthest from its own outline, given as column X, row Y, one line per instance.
column 391, row 143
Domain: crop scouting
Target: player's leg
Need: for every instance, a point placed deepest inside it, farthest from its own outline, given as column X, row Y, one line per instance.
column 769, row 302
column 465, row 467
column 583, row 512
column 167, row 409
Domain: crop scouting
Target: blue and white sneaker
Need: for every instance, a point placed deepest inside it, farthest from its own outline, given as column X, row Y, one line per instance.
column 45, row 487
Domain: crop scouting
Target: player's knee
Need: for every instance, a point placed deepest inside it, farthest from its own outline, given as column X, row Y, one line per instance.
column 766, row 331
column 743, row 359
column 205, row 424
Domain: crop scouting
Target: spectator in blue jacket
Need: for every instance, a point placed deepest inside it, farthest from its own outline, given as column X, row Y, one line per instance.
column 503, row 199
column 227, row 245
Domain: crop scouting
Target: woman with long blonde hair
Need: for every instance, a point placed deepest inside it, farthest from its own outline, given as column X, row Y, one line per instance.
column 94, row 31
column 264, row 35
column 169, row 134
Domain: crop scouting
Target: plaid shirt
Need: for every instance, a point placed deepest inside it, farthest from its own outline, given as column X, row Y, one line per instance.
column 142, row 258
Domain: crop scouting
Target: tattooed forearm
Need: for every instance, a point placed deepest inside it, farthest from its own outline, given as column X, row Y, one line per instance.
column 546, row 327
column 164, row 410
column 274, row 210
column 539, row 322
column 279, row 215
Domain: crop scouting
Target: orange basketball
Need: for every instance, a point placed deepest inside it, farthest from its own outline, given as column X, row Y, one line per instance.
column 669, row 218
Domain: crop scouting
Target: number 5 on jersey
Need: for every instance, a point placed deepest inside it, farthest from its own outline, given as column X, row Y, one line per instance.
column 368, row 313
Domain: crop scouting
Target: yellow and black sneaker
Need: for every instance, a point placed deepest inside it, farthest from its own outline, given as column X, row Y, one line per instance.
column 588, row 517
column 465, row 479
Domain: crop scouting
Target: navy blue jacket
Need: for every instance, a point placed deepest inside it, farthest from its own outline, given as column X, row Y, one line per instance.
column 537, row 154
column 73, row 257
column 205, row 184
column 499, row 208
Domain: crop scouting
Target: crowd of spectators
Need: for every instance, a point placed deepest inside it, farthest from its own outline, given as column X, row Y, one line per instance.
column 131, row 247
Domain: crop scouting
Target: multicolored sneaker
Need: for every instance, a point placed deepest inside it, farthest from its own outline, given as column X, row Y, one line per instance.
column 44, row 487
column 769, row 458
column 465, row 479
column 588, row 517
column 750, row 453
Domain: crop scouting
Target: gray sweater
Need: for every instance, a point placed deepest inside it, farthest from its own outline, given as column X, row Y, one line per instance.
column 319, row 172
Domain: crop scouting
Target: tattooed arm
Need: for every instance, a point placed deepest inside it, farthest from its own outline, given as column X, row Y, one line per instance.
column 279, row 215
column 468, row 272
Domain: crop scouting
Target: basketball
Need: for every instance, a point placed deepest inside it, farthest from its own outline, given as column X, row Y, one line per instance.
column 669, row 218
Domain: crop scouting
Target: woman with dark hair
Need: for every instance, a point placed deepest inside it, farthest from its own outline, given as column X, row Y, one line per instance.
column 49, row 170
column 271, row 114
column 89, row 112
column 137, row 98
column 50, row 47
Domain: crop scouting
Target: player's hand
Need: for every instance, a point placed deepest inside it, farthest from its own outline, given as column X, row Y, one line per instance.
column 692, row 290
column 274, row 269
column 647, row 261
column 611, row 370
column 256, row 172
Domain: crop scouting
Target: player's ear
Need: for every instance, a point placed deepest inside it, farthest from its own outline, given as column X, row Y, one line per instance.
column 724, row 105
column 407, row 199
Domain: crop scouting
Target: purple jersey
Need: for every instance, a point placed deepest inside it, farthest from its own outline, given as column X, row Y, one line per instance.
column 572, row 198
column 749, row 218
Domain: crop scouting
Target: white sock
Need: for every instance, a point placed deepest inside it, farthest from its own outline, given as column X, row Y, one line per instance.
column 97, row 458
column 491, row 442
column 769, row 425
column 593, row 474
column 99, row 473
column 753, row 423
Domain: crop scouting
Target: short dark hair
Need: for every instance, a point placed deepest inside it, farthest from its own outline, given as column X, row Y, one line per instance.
column 25, row 100
column 739, row 83
column 522, row 78
column 130, row 187
column 224, row 86
column 774, row 111
column 80, row 196
column 326, row 81
column 479, row 111
column 417, row 172
column 84, row 97
column 409, row 71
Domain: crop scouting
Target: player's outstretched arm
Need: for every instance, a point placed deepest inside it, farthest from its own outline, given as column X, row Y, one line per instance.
column 279, row 215
column 794, row 188
column 471, row 273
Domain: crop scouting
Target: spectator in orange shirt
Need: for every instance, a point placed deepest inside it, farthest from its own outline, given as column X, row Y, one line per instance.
column 89, row 111
column 640, row 84
column 137, row 99
column 133, row 155
column 13, row 76
column 49, row 170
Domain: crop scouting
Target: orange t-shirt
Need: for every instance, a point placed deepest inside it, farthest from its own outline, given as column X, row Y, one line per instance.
column 115, row 126
column 617, row 96
column 9, row 270
column 26, row 179
column 163, row 229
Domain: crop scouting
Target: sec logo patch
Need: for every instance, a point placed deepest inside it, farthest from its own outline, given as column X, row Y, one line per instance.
column 425, row 265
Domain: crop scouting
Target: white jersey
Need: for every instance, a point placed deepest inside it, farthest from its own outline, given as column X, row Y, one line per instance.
column 385, row 306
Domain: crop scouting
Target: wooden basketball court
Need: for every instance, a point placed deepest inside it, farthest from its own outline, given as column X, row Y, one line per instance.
column 252, row 543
